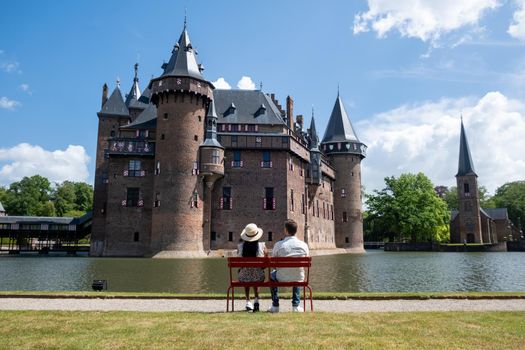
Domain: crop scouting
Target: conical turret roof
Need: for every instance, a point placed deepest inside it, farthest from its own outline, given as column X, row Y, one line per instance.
column 314, row 139
column 339, row 127
column 115, row 104
column 466, row 165
column 183, row 61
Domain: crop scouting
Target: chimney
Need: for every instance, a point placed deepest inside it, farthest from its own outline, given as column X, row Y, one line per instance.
column 104, row 94
column 289, row 111
column 300, row 121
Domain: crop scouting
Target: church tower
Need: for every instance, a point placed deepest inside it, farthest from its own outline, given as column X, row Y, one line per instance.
column 345, row 152
column 468, row 194
column 181, row 95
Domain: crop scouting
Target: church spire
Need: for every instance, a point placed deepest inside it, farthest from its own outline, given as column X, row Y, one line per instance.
column 183, row 61
column 134, row 93
column 465, row 166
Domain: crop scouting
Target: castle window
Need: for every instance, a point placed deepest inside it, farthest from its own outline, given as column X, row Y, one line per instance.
column 235, row 127
column 134, row 169
column 250, row 127
column 269, row 199
column 331, row 186
column 215, row 158
column 266, row 162
column 318, row 208
column 292, row 202
column 234, row 139
column 226, row 199
column 343, row 193
column 466, row 188
column 270, row 236
column 230, row 236
column 347, row 240
column 303, row 204
column 345, row 217
column 324, row 211
column 157, row 168
column 195, row 170
column 237, row 162
column 213, row 236
column 200, row 118
column 301, row 171
column 162, row 136
column 196, row 138
column 165, row 116
column 142, row 133
column 135, row 237
column 156, row 204
column 332, row 212
column 291, row 164
column 132, row 197
column 195, row 199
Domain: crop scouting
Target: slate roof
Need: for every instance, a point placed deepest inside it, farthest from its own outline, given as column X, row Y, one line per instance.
column 250, row 107
column 211, row 131
column 339, row 127
column 183, row 61
column 493, row 213
column 147, row 119
column 497, row 213
column 134, row 93
column 46, row 219
column 143, row 100
column 314, row 139
column 115, row 104
column 465, row 165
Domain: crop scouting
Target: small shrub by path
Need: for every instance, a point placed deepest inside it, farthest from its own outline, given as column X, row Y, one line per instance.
column 132, row 330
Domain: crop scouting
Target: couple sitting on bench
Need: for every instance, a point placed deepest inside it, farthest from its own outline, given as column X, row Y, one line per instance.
column 290, row 246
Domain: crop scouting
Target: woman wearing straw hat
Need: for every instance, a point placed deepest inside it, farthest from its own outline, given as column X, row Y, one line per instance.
column 251, row 247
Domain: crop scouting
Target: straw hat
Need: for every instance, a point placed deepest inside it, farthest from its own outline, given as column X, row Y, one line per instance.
column 251, row 233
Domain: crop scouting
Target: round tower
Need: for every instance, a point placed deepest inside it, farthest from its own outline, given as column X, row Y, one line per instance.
column 345, row 152
column 181, row 95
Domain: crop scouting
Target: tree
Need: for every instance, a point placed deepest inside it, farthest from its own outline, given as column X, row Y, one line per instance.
column 410, row 208
column 73, row 198
column 512, row 196
column 27, row 196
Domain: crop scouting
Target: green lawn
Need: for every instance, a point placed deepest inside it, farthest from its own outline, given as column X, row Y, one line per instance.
column 134, row 330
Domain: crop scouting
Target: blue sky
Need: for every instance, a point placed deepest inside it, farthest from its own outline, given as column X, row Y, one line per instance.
column 406, row 70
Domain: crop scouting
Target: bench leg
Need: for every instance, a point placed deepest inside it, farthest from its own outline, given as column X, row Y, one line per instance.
column 228, row 299
column 304, row 298
column 233, row 299
column 311, row 299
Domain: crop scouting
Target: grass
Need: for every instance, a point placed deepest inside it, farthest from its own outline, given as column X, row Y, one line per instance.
column 317, row 295
column 134, row 330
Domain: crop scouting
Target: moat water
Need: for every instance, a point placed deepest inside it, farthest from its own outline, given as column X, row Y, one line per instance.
column 375, row 271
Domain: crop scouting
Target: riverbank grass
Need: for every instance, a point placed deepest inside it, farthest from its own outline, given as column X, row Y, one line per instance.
column 136, row 330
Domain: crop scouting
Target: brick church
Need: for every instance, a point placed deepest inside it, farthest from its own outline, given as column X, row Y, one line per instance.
column 472, row 223
column 182, row 167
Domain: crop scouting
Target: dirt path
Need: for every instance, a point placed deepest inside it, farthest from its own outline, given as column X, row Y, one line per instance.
column 209, row 305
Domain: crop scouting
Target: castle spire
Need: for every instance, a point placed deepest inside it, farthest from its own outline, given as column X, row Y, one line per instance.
column 183, row 61
column 134, row 93
column 339, row 127
column 211, row 127
column 465, row 165
column 314, row 139
column 115, row 105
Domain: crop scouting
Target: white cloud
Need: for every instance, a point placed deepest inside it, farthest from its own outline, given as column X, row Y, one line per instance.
column 246, row 83
column 6, row 103
column 25, row 88
column 428, row 20
column 517, row 28
column 27, row 160
column 221, row 83
column 10, row 67
column 425, row 137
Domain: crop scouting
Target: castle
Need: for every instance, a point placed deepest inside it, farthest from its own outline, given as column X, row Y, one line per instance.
column 182, row 167
column 472, row 223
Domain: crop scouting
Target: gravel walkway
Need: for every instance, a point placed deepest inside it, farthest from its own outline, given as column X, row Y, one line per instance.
column 208, row 305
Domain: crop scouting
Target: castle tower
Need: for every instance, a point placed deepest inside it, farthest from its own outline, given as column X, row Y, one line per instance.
column 181, row 95
column 111, row 116
column 468, row 194
column 345, row 152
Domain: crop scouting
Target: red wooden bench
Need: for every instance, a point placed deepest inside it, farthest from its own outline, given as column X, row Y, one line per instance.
column 269, row 263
